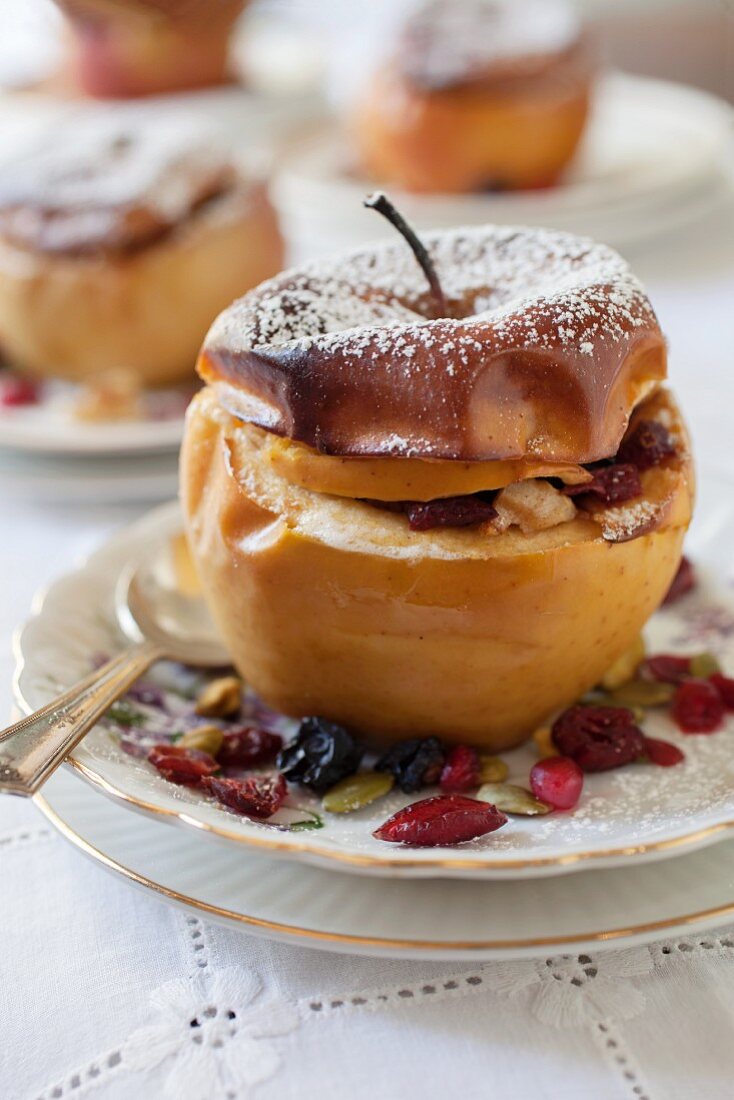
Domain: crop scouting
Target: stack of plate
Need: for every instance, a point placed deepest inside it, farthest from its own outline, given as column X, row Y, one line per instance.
column 655, row 155
column 337, row 887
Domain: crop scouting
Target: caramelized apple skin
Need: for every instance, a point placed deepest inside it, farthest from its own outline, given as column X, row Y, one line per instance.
column 478, row 648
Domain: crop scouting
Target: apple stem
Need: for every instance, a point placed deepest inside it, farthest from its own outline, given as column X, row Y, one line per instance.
column 379, row 201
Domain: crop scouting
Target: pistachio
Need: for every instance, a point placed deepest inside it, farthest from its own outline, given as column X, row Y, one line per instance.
column 220, row 698
column 704, row 665
column 492, row 769
column 512, row 800
column 544, row 742
column 357, row 791
column 625, row 667
column 642, row 693
column 205, row 738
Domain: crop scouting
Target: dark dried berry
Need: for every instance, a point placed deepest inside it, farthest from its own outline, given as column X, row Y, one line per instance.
column 246, row 746
column 725, row 687
column 598, row 738
column 257, row 796
column 647, row 445
column 179, row 765
column 462, row 770
column 415, row 764
column 667, row 668
column 697, row 707
column 611, row 485
column 683, row 581
column 465, row 511
column 320, row 755
column 663, row 753
column 445, row 819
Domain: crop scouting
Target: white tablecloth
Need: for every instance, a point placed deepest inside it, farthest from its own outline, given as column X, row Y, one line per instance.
column 99, row 984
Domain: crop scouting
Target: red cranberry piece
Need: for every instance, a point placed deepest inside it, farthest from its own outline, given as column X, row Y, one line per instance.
column 683, row 581
column 663, row 753
column 598, row 738
column 247, row 746
column 15, row 390
column 445, row 819
column 256, row 796
column 667, row 668
column 647, row 445
column 465, row 511
column 461, row 772
column 725, row 687
column 611, row 484
column 179, row 765
column 557, row 780
column 697, row 707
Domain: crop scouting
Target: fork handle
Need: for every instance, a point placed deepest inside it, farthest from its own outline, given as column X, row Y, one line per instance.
column 32, row 748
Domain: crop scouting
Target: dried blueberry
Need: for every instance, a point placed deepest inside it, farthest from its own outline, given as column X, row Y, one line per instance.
column 320, row 755
column 415, row 764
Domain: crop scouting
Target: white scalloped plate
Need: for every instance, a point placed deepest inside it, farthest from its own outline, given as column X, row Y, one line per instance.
column 636, row 813
column 425, row 919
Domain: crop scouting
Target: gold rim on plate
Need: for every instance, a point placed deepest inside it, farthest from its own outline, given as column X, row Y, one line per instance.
column 649, row 928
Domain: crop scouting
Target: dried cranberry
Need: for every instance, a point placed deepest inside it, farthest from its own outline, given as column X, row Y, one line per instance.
column 663, row 753
column 558, row 780
column 257, row 795
column 320, row 755
column 697, row 707
column 246, row 746
column 461, row 771
column 647, row 445
column 464, row 511
column 15, row 390
column 725, row 687
column 667, row 668
column 445, row 819
column 611, row 484
column 185, row 766
column 416, row 763
column 598, row 738
column 683, row 581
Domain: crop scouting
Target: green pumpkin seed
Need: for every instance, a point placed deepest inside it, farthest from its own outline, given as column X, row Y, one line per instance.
column 357, row 791
column 704, row 665
column 512, row 800
column 204, row 738
column 643, row 693
column 625, row 667
column 492, row 769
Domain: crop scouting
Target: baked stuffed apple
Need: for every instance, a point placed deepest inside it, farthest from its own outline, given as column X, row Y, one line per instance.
column 437, row 507
column 123, row 48
column 476, row 95
column 119, row 246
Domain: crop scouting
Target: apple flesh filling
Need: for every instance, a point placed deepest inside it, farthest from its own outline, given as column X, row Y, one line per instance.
column 332, row 602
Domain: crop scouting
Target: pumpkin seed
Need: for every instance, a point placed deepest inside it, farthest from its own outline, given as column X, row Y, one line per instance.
column 357, row 791
column 492, row 769
column 204, row 738
column 512, row 800
column 624, row 668
column 643, row 693
column 220, row 698
column 544, row 742
column 704, row 665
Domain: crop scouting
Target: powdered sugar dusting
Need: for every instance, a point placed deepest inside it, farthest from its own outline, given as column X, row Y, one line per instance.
column 537, row 289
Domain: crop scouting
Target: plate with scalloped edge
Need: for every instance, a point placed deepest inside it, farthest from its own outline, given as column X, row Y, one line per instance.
column 638, row 813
